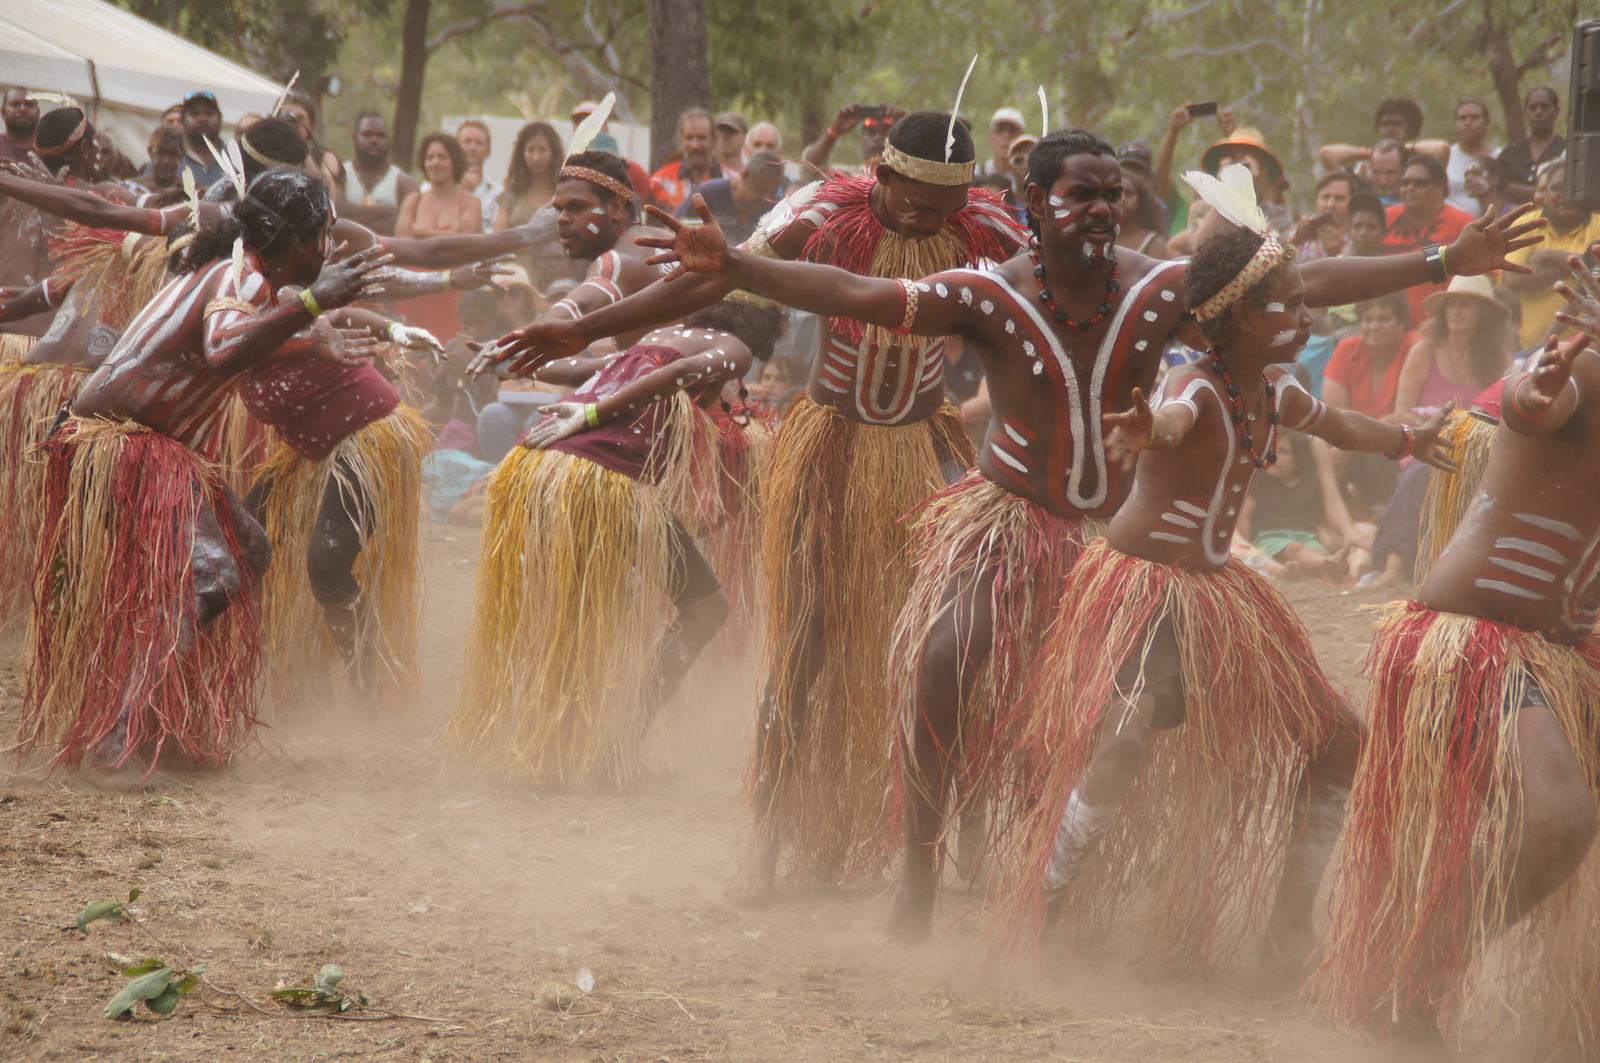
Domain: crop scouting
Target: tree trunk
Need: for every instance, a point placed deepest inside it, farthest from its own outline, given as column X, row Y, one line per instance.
column 680, row 70
column 1503, row 70
column 408, row 96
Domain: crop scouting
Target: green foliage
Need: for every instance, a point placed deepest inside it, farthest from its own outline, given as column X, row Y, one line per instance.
column 156, row 984
column 323, row 994
column 104, row 910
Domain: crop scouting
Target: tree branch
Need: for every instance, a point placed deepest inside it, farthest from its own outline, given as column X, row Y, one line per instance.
column 461, row 29
column 1540, row 56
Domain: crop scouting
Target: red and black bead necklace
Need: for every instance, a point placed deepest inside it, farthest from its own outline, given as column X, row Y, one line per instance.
column 1240, row 420
column 1113, row 286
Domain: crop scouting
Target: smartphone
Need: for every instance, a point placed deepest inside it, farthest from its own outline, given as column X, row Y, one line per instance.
column 1202, row 109
column 871, row 110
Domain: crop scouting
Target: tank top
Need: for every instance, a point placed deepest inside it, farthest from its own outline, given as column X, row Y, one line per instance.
column 384, row 194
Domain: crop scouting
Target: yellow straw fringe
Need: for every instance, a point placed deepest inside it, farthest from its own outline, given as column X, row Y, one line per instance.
column 386, row 460
column 571, row 612
column 119, row 283
column 1471, row 442
column 239, row 444
column 14, row 347
column 836, row 548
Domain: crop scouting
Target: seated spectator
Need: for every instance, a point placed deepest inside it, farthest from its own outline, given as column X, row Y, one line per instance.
column 1466, row 345
column 1568, row 228
column 1521, row 161
column 1006, row 126
column 739, row 201
column 1282, row 518
column 1423, row 217
column 475, row 140
column 319, row 160
column 1384, row 170
column 1322, row 234
column 1398, row 121
column 1472, row 144
column 1248, row 147
column 160, row 174
column 1368, row 225
column 763, row 136
column 531, row 179
column 445, row 207
column 874, row 124
column 1364, row 372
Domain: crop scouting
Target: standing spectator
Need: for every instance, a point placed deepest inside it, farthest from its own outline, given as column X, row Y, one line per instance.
column 874, row 124
column 1486, row 186
column 1006, row 125
column 763, row 136
column 374, row 187
column 1422, row 217
column 1472, row 131
column 20, row 112
column 1467, row 343
column 531, row 180
column 202, row 121
column 320, row 162
column 739, row 201
column 1142, row 216
column 473, row 136
column 638, row 176
column 1249, row 148
column 1521, row 161
column 1368, row 225
column 444, row 208
column 160, row 174
column 1568, row 228
column 730, row 129
column 1397, row 119
column 695, row 164
column 1385, row 168
column 172, row 117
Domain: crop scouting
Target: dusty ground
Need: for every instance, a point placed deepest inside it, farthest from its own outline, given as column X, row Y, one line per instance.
column 447, row 898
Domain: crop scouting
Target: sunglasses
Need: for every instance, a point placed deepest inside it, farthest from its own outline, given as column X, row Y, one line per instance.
column 1416, row 182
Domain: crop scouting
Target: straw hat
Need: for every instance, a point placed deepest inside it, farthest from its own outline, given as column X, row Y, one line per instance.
column 511, row 275
column 1250, row 139
column 1476, row 288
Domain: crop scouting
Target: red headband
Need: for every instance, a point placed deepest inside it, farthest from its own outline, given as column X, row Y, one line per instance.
column 600, row 180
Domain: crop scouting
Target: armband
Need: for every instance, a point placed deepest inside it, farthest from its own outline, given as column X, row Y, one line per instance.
column 591, row 414
column 1433, row 258
column 1516, row 403
column 1408, row 445
column 313, row 307
column 444, row 278
column 44, row 289
column 909, row 288
column 217, row 306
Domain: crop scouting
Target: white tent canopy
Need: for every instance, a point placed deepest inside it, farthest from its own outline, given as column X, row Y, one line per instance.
column 125, row 70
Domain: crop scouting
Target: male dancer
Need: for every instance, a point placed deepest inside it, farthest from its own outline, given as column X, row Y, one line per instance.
column 144, row 549
column 1472, row 818
column 1065, row 332
column 874, row 437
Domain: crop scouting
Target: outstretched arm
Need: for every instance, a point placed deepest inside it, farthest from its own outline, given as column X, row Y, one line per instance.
column 1349, row 430
column 86, row 208
column 18, row 303
column 1141, row 428
column 1481, row 248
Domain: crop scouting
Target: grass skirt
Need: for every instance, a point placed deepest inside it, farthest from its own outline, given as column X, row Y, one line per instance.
column 383, row 463
column 31, row 397
column 571, row 612
column 1471, row 440
column 238, row 444
column 971, row 532
column 1198, row 842
column 838, row 550
column 117, row 657
column 14, row 347
column 1431, row 802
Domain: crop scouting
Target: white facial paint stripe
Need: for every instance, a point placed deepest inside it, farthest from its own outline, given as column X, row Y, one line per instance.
column 1284, row 338
column 1274, row 308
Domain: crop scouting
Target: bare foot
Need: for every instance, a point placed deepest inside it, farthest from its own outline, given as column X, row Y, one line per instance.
column 1288, row 952
column 911, row 917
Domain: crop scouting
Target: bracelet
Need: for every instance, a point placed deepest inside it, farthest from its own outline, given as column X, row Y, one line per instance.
column 1433, row 258
column 1407, row 445
column 445, row 279
column 834, row 134
column 313, row 307
column 910, row 290
column 1443, row 265
column 1517, row 405
column 1152, row 440
column 591, row 413
column 45, row 291
column 389, row 332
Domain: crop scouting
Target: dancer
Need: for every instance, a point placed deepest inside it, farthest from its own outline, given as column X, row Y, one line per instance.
column 593, row 600
column 1473, row 812
column 144, row 549
column 995, row 550
column 874, row 437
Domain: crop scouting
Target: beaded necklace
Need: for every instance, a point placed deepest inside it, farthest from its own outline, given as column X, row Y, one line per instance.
column 1112, row 287
column 1240, row 420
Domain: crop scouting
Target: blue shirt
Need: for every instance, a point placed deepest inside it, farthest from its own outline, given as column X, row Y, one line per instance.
column 205, row 174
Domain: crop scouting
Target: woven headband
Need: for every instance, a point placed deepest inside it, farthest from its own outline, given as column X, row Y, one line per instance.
column 745, row 295
column 1264, row 261
column 66, row 145
column 258, row 156
column 926, row 170
column 600, row 180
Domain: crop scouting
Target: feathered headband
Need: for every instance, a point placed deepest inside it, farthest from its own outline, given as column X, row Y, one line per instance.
column 1232, row 194
column 582, row 137
column 931, row 171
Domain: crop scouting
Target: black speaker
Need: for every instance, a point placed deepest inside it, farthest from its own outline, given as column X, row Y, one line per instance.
column 1583, row 115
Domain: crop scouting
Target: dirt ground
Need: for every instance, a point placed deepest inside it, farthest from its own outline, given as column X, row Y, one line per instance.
column 457, row 902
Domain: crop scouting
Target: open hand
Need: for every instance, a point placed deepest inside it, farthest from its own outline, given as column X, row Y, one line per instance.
column 694, row 248
column 562, row 419
column 479, row 274
column 1583, row 300
column 523, row 351
column 1128, row 432
column 1482, row 246
column 1426, row 440
column 349, row 347
column 346, row 280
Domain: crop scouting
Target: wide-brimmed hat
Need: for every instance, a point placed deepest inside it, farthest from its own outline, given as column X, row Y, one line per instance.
column 511, row 275
column 1249, row 139
column 1475, row 288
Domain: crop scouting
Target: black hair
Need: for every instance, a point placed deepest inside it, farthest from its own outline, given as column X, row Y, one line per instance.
column 279, row 206
column 53, row 130
column 757, row 325
column 165, row 138
column 922, row 135
column 1219, row 259
column 1051, row 153
column 608, row 164
column 278, row 139
column 299, row 99
column 1366, row 202
column 1395, row 302
column 1435, row 168
column 519, row 178
column 1337, row 175
column 1549, row 90
column 1149, row 211
column 458, row 158
column 369, row 113
column 1484, row 107
column 1409, row 111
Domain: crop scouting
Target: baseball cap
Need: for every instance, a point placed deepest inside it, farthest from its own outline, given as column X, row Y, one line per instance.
column 583, row 110
column 607, row 143
column 1008, row 116
column 1136, row 153
column 732, row 120
column 201, row 97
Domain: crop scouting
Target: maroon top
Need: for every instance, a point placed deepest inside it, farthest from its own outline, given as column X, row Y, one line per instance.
column 313, row 404
column 624, row 443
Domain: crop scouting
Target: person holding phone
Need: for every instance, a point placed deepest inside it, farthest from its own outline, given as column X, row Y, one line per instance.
column 874, row 120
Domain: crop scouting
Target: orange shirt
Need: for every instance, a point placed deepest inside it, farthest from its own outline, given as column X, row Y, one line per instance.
column 1351, row 366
